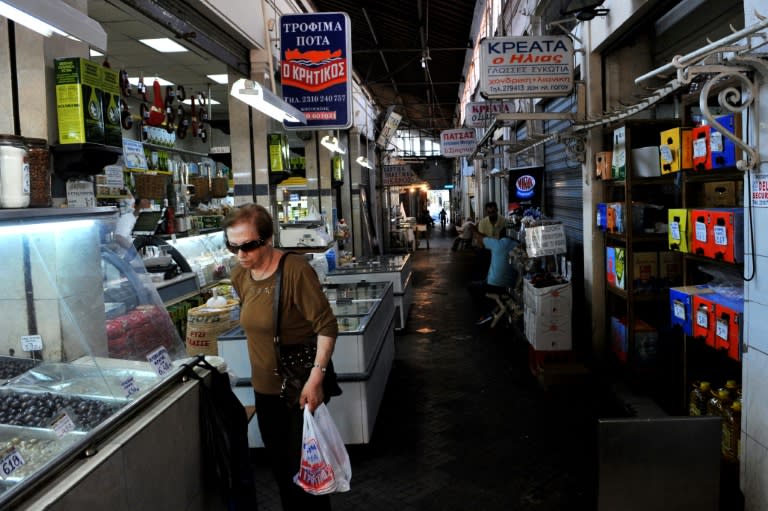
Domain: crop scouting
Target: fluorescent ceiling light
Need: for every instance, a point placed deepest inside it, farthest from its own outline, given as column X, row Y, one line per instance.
column 222, row 78
column 148, row 81
column 95, row 53
column 48, row 17
column 188, row 101
column 333, row 144
column 164, row 45
column 363, row 162
column 253, row 94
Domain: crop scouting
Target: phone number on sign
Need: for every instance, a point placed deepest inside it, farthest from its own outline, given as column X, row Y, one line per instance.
column 325, row 98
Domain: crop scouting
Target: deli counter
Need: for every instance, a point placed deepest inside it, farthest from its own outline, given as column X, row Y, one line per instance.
column 362, row 358
column 384, row 268
column 85, row 354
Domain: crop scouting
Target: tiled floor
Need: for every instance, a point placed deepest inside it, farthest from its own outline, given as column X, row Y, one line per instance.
column 463, row 424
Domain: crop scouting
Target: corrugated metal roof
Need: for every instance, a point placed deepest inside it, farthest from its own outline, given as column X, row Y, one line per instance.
column 389, row 41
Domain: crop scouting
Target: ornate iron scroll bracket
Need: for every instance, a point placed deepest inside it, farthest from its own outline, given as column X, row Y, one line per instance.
column 735, row 80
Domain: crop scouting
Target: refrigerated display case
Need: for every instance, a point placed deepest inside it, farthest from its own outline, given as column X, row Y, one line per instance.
column 207, row 256
column 362, row 358
column 394, row 268
column 87, row 345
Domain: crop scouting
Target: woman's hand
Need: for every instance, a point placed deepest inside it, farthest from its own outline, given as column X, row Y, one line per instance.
column 312, row 393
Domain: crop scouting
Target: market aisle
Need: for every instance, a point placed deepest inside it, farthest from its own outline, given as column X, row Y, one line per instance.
column 463, row 425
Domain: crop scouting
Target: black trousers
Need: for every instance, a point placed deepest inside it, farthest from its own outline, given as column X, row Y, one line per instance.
column 281, row 430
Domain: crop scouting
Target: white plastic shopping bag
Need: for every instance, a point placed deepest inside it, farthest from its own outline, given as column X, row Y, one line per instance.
column 325, row 466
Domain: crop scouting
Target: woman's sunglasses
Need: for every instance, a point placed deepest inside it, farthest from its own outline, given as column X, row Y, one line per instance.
column 248, row 246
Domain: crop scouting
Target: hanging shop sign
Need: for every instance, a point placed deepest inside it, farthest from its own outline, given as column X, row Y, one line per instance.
column 399, row 175
column 526, row 67
column 316, row 68
column 526, row 186
column 458, row 142
column 482, row 114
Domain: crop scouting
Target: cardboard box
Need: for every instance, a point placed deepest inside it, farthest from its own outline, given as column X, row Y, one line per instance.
column 619, row 154
column 676, row 150
column 670, row 269
column 78, row 101
column 552, row 301
column 644, row 346
column 729, row 321
column 702, row 157
column 719, row 194
column 645, row 270
column 703, row 318
column 615, row 215
column 681, row 305
column 701, row 243
column 113, row 130
column 678, row 229
column 601, row 217
column 615, row 264
column 727, row 238
column 722, row 149
column 603, row 165
column 547, row 334
column 619, row 338
column 646, row 162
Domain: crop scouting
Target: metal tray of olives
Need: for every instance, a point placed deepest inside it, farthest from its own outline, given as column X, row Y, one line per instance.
column 36, row 446
column 84, row 380
column 33, row 408
column 11, row 367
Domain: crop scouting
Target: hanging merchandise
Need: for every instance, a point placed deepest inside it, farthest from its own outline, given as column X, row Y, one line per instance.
column 157, row 110
column 279, row 157
column 337, row 170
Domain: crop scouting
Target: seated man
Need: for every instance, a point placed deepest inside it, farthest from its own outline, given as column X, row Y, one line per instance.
column 465, row 235
column 502, row 275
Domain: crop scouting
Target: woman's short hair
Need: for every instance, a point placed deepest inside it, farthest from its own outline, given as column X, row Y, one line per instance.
column 257, row 214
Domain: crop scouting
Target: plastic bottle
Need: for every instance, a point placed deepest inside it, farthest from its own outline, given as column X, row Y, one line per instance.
column 718, row 402
column 733, row 389
column 731, row 438
column 698, row 399
column 14, row 172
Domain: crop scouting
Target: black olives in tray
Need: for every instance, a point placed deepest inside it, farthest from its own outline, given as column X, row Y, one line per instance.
column 38, row 409
column 11, row 367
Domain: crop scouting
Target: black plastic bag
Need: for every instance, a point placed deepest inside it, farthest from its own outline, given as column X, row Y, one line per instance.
column 224, row 440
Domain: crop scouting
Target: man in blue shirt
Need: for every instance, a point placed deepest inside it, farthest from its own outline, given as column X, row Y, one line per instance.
column 502, row 275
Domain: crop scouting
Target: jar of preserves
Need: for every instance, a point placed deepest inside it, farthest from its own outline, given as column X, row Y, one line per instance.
column 14, row 172
column 39, row 173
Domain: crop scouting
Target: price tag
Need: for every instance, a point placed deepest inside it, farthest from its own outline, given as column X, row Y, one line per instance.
column 721, row 329
column 674, row 230
column 700, row 148
column 10, row 460
column 200, row 277
column 701, row 232
column 160, row 361
column 678, row 309
column 62, row 424
column 31, row 343
column 129, row 386
column 716, row 142
column 666, row 154
column 702, row 319
column 721, row 235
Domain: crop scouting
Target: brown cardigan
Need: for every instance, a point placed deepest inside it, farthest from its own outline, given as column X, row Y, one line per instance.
column 305, row 313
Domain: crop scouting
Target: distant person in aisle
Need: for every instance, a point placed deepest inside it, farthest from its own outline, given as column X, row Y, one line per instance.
column 443, row 219
column 306, row 315
column 464, row 239
column 502, row 274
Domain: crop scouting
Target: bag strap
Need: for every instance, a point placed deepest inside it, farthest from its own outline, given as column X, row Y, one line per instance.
column 276, row 313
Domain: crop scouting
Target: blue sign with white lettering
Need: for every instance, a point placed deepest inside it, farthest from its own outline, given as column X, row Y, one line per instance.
column 316, row 68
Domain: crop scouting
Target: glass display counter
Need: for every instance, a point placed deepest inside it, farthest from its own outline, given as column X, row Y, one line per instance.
column 394, row 268
column 362, row 358
column 84, row 351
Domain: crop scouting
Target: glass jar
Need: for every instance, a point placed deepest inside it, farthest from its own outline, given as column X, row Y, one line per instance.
column 39, row 173
column 14, row 172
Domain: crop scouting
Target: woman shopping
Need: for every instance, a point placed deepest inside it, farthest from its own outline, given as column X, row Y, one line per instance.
column 305, row 317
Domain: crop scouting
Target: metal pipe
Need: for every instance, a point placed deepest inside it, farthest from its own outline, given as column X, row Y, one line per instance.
column 704, row 50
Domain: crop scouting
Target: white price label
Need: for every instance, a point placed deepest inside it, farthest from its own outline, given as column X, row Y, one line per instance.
column 62, row 424
column 10, row 460
column 702, row 319
column 200, row 277
column 129, row 386
column 31, row 343
column 674, row 230
column 721, row 329
column 721, row 235
column 700, row 148
column 678, row 310
column 716, row 142
column 666, row 154
column 701, row 232
column 160, row 361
